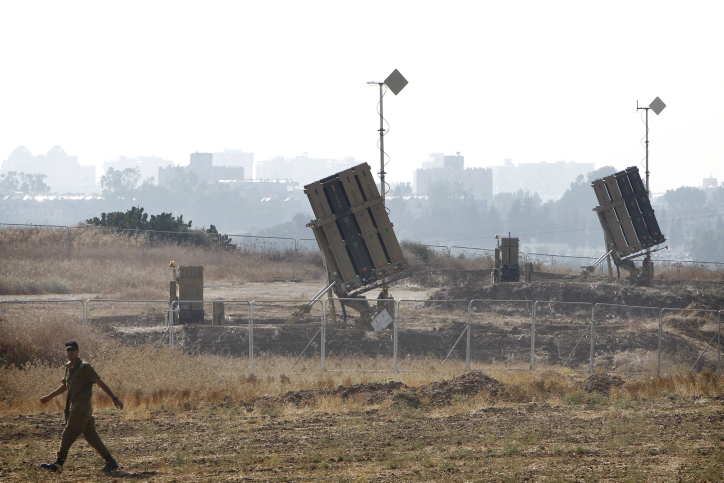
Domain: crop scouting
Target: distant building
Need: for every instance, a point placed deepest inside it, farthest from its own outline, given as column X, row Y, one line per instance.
column 235, row 158
column 478, row 182
column 710, row 182
column 64, row 173
column 549, row 180
column 302, row 169
column 147, row 165
column 710, row 185
column 435, row 160
column 264, row 190
column 202, row 165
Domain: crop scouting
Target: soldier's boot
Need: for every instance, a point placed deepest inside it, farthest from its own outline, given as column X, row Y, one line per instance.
column 56, row 467
column 110, row 465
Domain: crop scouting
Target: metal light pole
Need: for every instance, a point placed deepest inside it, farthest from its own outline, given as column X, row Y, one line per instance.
column 382, row 143
column 396, row 82
column 657, row 105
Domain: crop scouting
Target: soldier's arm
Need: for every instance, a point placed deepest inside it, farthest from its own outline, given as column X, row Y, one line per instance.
column 116, row 401
column 57, row 392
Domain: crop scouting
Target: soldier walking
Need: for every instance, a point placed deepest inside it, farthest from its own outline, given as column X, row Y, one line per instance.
column 78, row 381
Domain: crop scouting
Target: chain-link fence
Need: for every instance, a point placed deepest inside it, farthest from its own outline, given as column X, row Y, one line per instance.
column 277, row 336
column 626, row 338
column 498, row 332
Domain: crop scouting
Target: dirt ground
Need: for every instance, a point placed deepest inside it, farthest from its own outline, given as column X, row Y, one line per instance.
column 470, row 428
column 406, row 289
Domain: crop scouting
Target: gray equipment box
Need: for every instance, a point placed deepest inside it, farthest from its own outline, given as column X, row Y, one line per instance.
column 508, row 252
column 188, row 285
column 354, row 232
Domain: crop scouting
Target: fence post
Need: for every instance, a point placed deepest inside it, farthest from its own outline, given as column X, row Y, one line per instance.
column 661, row 321
column 467, row 348
column 220, row 247
column 678, row 270
column 323, row 337
column 296, row 249
column 396, row 324
column 70, row 240
column 170, row 324
column 718, row 344
column 532, row 337
column 593, row 336
column 251, row 337
column 143, row 254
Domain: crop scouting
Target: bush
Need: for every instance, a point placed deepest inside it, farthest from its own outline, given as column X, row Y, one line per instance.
column 418, row 250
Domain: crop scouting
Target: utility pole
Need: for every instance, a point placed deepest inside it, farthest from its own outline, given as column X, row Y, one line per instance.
column 657, row 105
column 396, row 83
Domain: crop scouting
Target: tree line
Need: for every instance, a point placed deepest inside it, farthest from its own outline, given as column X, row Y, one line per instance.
column 164, row 227
column 690, row 218
column 31, row 184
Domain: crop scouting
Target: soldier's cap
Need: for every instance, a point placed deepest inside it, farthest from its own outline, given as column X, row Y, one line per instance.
column 71, row 345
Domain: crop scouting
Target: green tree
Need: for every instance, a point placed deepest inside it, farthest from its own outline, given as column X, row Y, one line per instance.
column 717, row 197
column 9, row 181
column 225, row 239
column 31, row 184
column 133, row 219
column 684, row 198
column 676, row 236
column 600, row 173
column 120, row 183
column 401, row 189
column 296, row 228
column 167, row 223
column 708, row 245
column 136, row 219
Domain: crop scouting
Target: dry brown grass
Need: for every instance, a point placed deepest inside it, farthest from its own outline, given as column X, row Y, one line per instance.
column 152, row 377
column 108, row 263
column 703, row 384
column 482, row 262
column 39, row 340
column 31, row 353
column 704, row 273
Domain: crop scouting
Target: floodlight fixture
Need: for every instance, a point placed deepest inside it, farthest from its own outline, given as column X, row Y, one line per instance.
column 657, row 105
column 395, row 82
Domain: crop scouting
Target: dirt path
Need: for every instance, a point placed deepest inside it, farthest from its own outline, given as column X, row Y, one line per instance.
column 294, row 291
column 671, row 439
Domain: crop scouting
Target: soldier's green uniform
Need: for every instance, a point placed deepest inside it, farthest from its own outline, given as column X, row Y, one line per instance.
column 79, row 420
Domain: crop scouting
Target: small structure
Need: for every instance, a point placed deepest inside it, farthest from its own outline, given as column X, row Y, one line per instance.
column 188, row 289
column 506, row 268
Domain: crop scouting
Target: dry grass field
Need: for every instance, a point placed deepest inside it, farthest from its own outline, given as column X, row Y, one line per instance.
column 112, row 264
column 190, row 417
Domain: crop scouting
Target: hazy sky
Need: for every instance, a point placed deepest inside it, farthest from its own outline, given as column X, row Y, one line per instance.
column 531, row 81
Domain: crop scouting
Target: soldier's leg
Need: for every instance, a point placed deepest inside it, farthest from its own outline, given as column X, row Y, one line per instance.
column 74, row 427
column 91, row 435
